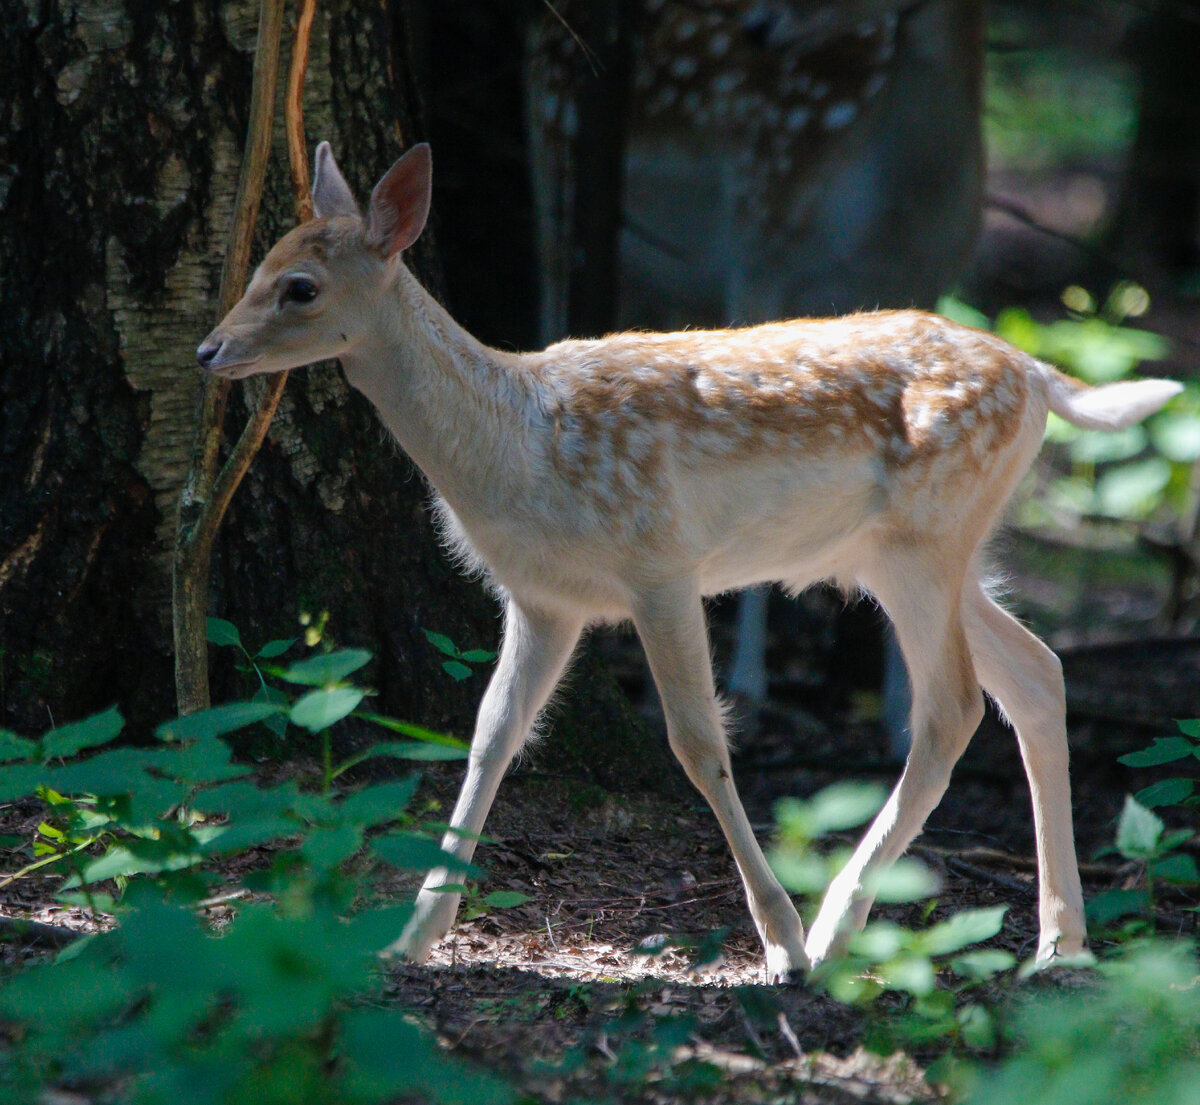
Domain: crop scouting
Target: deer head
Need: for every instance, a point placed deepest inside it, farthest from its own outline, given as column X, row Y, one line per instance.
column 310, row 298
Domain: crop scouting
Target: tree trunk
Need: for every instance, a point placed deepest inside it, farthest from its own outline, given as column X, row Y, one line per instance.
column 122, row 126
column 1158, row 227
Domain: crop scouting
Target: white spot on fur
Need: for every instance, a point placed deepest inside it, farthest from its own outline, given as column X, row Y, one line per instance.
column 797, row 119
column 839, row 115
column 684, row 67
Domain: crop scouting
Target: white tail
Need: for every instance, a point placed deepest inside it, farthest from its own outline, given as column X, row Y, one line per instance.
column 625, row 478
column 1112, row 407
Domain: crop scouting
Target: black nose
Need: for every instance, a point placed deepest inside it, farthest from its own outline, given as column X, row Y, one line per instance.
column 207, row 353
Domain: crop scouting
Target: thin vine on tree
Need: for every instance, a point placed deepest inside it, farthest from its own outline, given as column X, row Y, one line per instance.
column 209, row 487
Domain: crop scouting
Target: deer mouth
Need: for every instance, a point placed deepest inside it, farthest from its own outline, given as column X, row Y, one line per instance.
column 217, row 359
column 236, row 371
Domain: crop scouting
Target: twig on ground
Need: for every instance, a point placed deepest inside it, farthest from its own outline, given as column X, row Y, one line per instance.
column 789, row 1034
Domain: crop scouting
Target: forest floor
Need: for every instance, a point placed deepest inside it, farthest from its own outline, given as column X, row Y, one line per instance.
column 560, row 994
column 587, row 991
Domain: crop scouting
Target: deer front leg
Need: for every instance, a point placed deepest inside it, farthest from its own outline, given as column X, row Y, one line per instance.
column 670, row 622
column 534, row 652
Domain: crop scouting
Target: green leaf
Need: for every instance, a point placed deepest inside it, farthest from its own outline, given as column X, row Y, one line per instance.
column 13, row 747
column 97, row 729
column 478, row 656
column 1178, row 869
column 1097, row 447
column 800, row 869
column 906, row 880
column 328, row 668
column 968, row 927
column 417, row 732
column 977, row 1025
column 417, row 853
column 1111, row 905
column 149, row 800
column 441, row 642
column 388, row 1058
column 418, row 750
column 277, row 723
column 1176, row 434
column 376, row 805
column 1173, row 838
column 1060, row 432
column 457, row 670
column 982, row 964
column 837, row 807
column 1191, row 727
column 325, row 849
column 1016, row 325
column 205, row 760
column 1138, row 830
column 1133, row 489
column 21, row 780
column 318, row 710
column 1164, row 750
column 275, row 648
column 505, row 899
column 114, row 771
column 122, row 861
column 956, row 310
column 248, row 833
column 912, row 974
column 221, row 632
column 243, row 799
column 879, row 941
column 1166, row 792
column 217, row 721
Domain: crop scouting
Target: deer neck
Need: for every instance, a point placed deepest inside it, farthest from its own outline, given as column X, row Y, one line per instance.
column 450, row 401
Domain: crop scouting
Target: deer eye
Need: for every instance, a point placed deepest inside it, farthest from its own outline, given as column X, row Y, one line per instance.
column 300, row 289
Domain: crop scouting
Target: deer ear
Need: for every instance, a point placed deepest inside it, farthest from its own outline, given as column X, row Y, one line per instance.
column 400, row 202
column 331, row 194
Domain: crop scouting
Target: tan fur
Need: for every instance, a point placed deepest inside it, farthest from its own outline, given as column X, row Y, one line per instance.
column 626, row 477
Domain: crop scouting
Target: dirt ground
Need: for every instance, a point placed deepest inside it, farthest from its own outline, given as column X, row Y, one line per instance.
column 608, row 874
column 587, row 991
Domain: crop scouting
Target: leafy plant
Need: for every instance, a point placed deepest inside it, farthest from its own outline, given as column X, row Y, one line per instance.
column 1123, row 475
column 1177, row 790
column 1144, row 839
column 1130, row 1038
column 285, row 1004
column 458, row 666
column 887, row 957
column 226, row 634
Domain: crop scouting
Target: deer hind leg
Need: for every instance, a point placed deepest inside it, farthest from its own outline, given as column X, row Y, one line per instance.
column 1025, row 679
column 947, row 706
column 534, row 652
column 670, row 623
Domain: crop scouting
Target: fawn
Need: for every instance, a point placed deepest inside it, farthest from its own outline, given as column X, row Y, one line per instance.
column 627, row 477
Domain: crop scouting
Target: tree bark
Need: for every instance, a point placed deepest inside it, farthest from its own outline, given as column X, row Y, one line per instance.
column 1158, row 226
column 122, row 122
